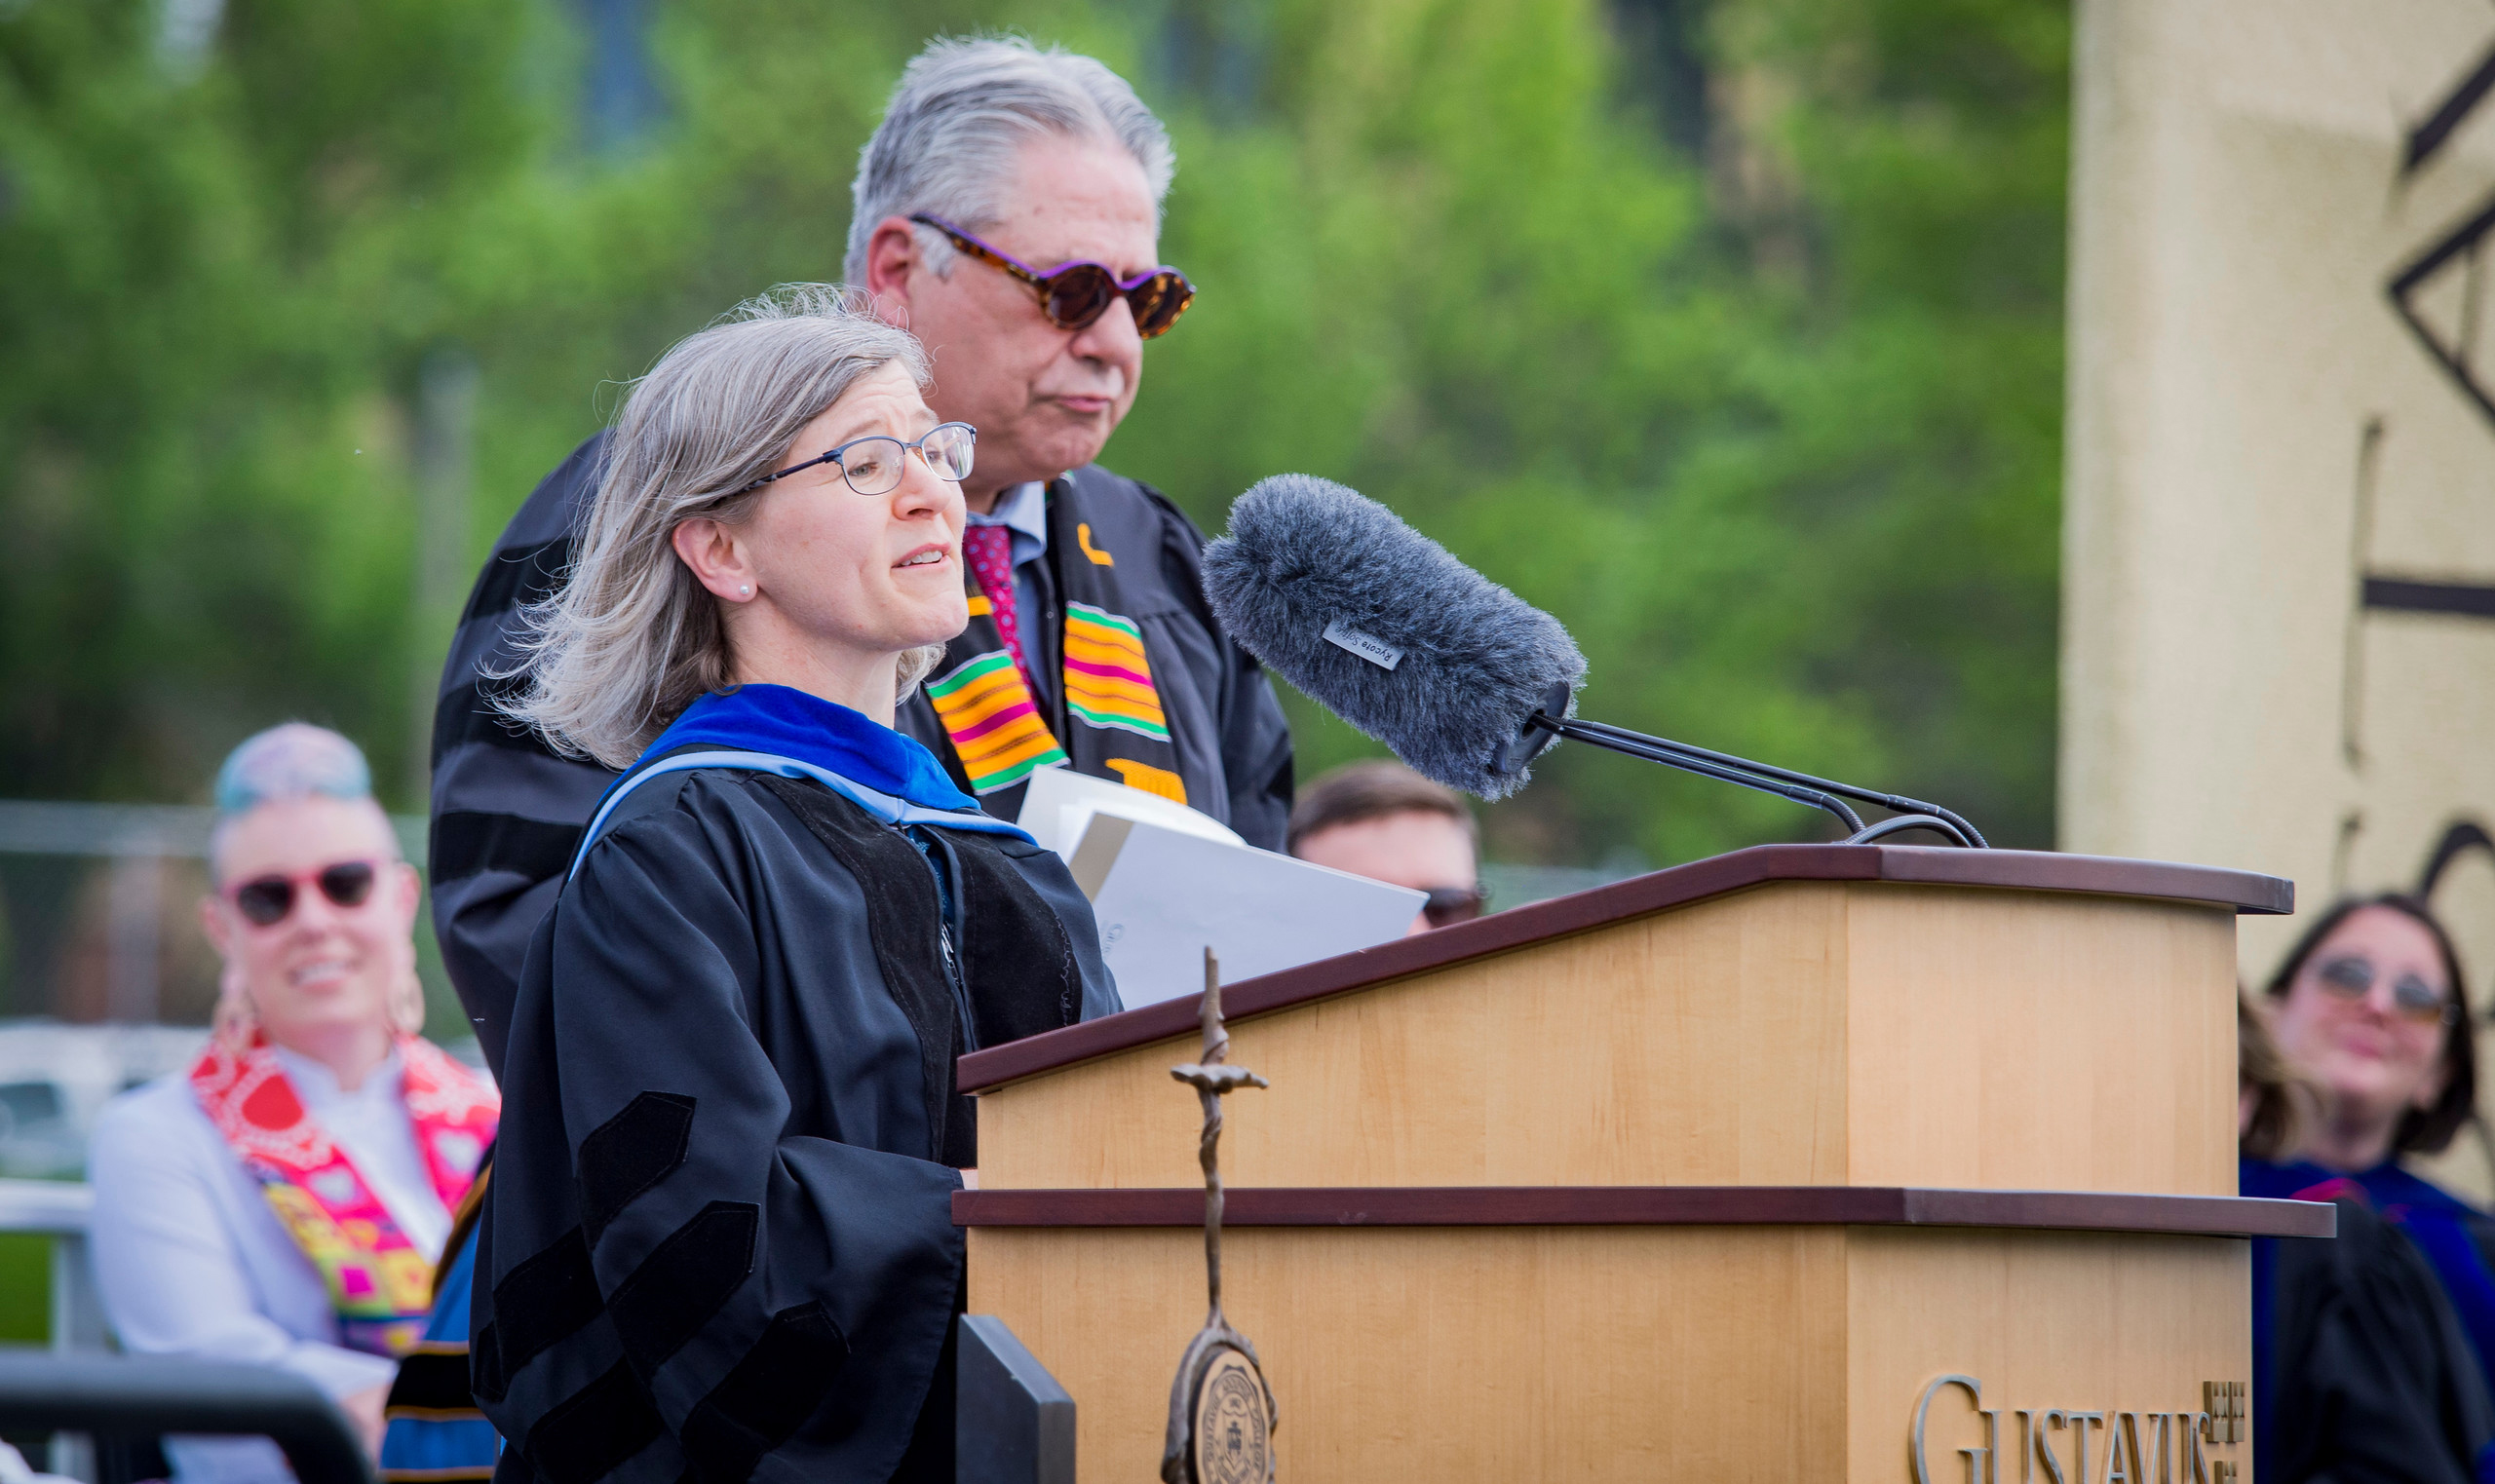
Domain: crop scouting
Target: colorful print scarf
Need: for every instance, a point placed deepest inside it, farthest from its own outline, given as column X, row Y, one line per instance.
column 1111, row 724
column 381, row 1285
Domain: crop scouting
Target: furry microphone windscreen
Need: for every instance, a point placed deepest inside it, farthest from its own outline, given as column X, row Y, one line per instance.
column 1385, row 629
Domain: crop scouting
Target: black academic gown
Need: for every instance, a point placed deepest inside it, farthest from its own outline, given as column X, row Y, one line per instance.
column 719, row 1243
column 2369, row 1377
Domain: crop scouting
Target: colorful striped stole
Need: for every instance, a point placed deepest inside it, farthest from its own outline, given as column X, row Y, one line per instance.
column 1114, row 723
column 1108, row 683
column 995, row 728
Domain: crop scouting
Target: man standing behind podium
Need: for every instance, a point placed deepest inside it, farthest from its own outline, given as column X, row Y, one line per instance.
column 1008, row 212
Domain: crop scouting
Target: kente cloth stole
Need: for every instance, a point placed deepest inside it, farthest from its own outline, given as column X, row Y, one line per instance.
column 1112, row 720
column 381, row 1285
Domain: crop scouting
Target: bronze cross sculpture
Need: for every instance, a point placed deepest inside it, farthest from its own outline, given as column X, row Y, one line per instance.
column 1221, row 1413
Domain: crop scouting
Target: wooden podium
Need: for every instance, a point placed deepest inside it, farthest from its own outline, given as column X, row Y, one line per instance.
column 1755, row 1168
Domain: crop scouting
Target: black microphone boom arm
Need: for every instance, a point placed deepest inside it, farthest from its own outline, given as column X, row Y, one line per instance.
column 1552, row 722
column 1635, row 746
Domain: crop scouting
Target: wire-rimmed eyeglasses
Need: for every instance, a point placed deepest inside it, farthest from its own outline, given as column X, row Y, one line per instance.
column 872, row 465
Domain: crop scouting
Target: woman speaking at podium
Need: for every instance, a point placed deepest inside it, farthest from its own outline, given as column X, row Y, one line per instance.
column 720, row 1226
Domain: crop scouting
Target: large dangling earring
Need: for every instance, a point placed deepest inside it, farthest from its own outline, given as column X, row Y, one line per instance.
column 236, row 1021
column 408, row 1002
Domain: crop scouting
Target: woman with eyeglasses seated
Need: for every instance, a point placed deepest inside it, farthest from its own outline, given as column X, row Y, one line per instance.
column 718, row 1243
column 2369, row 1006
column 283, row 1200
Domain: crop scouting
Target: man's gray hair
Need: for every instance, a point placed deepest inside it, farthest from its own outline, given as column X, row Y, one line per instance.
column 632, row 638
column 963, row 110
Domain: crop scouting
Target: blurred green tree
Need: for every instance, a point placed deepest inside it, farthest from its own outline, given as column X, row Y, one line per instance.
column 1742, row 357
column 1760, row 394
column 217, row 273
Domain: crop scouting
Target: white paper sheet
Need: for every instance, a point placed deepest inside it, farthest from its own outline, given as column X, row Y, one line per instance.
column 1161, row 895
column 1058, row 805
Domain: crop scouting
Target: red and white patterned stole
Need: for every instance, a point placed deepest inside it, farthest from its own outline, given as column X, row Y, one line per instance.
column 379, row 1284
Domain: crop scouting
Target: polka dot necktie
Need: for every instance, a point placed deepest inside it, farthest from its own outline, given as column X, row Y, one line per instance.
column 990, row 550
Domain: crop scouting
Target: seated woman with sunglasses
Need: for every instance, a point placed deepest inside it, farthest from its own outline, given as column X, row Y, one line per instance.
column 2368, row 1007
column 283, row 1202
column 720, row 1231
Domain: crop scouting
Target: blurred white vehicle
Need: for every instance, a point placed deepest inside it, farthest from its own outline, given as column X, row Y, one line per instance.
column 55, row 1078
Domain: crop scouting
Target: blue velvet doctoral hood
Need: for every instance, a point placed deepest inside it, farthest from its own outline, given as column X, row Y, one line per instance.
column 774, row 729
column 789, row 723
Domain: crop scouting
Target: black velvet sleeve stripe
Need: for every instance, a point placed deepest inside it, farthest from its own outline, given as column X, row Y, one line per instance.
column 770, row 1393
column 541, row 1301
column 593, row 1432
column 681, row 1284
column 466, row 841
column 433, row 1381
column 515, row 576
column 630, row 1152
column 485, row 1375
column 466, row 714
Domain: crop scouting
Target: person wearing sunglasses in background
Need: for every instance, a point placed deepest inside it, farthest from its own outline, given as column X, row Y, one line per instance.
column 2368, row 1007
column 1383, row 821
column 282, row 1201
column 1007, row 212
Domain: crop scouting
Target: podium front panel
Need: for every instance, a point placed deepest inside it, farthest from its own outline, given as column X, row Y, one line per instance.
column 1632, row 1353
column 1797, row 1033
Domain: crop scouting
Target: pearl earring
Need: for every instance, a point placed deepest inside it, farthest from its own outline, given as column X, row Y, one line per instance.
column 745, row 590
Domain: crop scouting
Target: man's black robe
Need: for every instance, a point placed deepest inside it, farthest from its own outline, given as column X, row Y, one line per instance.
column 719, row 1240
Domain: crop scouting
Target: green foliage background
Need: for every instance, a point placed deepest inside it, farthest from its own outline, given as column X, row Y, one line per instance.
column 1728, row 332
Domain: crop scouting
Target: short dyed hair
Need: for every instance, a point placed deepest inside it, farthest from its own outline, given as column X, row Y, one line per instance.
column 292, row 760
column 2421, row 1130
column 1370, row 789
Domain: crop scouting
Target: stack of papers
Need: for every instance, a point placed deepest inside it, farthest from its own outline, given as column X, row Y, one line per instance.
column 1166, row 882
column 1058, row 805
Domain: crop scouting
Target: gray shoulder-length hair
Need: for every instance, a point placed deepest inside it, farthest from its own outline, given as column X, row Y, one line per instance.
column 631, row 638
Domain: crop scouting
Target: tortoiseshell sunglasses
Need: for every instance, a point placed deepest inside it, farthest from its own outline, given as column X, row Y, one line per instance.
column 1074, row 295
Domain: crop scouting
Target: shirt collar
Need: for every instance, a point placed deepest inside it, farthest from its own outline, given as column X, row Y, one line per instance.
column 1023, row 510
column 318, row 1087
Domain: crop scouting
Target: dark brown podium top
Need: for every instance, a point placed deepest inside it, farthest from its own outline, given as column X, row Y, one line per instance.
column 1678, row 886
column 1654, row 1206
